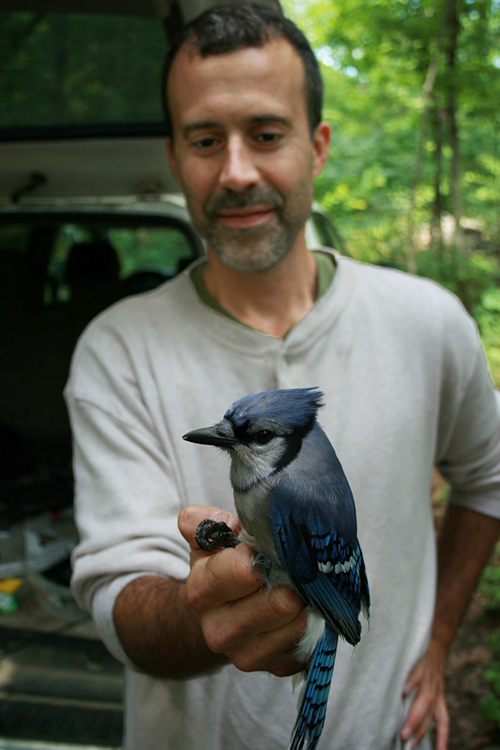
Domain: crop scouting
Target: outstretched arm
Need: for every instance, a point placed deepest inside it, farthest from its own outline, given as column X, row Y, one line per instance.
column 222, row 613
column 466, row 541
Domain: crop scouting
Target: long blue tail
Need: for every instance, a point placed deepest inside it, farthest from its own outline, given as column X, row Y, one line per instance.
column 311, row 716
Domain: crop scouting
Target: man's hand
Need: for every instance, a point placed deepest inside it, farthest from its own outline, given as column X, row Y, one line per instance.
column 429, row 703
column 465, row 544
column 255, row 628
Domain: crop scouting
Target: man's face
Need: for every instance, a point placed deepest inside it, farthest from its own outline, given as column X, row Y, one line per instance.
column 242, row 150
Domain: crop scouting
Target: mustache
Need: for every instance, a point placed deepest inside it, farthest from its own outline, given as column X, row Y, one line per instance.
column 228, row 199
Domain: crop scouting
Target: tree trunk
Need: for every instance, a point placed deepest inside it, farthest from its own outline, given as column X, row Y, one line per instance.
column 430, row 78
column 437, row 204
column 452, row 15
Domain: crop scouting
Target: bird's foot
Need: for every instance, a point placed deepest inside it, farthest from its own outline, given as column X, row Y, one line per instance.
column 211, row 534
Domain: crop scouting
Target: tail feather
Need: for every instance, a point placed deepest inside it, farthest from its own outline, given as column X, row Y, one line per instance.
column 311, row 715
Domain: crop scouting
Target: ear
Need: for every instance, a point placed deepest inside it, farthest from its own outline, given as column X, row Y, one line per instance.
column 172, row 161
column 321, row 144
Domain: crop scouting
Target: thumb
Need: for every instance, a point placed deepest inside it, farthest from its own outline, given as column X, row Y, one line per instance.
column 192, row 515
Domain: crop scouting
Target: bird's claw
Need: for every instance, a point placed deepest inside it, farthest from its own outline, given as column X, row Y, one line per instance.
column 211, row 534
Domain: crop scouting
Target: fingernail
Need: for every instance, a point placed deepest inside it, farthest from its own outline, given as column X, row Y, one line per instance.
column 220, row 515
column 228, row 518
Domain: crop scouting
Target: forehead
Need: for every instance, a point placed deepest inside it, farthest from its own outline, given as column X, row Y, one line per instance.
column 245, row 82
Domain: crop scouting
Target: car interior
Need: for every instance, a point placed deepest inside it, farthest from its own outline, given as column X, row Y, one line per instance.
column 58, row 272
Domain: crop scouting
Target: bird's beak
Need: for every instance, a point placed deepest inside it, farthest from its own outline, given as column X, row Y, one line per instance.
column 211, row 436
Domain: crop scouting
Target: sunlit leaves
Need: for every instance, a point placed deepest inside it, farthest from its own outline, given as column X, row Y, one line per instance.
column 375, row 56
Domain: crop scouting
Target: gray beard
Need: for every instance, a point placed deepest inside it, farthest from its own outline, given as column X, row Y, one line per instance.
column 251, row 249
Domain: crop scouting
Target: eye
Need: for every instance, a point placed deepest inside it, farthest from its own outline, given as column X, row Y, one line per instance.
column 269, row 137
column 263, row 436
column 205, row 144
column 268, row 141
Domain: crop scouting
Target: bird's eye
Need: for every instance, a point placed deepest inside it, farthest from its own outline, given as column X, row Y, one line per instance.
column 263, row 436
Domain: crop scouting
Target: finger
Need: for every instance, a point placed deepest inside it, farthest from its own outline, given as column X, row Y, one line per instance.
column 191, row 516
column 421, row 730
column 260, row 632
column 414, row 678
column 259, row 615
column 419, row 717
column 222, row 577
column 279, row 647
column 272, row 652
column 442, row 724
column 431, row 707
column 284, row 664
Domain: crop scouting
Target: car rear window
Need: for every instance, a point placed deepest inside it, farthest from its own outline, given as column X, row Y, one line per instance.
column 60, row 70
column 144, row 254
column 44, row 258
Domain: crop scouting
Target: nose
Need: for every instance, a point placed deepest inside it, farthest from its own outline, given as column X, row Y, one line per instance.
column 238, row 170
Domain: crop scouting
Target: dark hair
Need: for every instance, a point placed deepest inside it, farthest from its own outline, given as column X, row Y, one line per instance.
column 227, row 28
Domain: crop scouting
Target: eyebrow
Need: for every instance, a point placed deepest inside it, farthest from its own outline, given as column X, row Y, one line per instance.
column 193, row 127
column 271, row 118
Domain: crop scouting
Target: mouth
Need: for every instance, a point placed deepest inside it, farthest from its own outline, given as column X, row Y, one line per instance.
column 249, row 216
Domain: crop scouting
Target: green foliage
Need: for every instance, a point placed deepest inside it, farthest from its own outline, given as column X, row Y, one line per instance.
column 469, row 276
column 489, row 588
column 490, row 591
column 153, row 248
column 487, row 315
column 490, row 707
column 376, row 56
column 389, row 76
column 65, row 69
column 473, row 278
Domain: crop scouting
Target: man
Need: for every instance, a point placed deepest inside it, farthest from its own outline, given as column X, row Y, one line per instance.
column 406, row 388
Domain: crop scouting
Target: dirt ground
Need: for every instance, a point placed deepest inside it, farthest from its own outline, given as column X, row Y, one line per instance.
column 469, row 657
column 466, row 684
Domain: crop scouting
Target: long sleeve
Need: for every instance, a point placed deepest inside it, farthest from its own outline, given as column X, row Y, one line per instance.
column 128, row 491
column 468, row 452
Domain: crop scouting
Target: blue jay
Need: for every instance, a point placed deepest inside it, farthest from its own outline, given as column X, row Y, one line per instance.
column 297, row 511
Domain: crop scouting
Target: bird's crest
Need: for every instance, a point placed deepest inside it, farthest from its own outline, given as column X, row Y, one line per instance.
column 293, row 408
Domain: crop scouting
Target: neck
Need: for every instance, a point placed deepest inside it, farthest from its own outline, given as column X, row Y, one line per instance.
column 272, row 301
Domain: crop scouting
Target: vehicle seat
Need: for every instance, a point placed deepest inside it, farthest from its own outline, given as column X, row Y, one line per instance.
column 13, row 280
column 92, row 273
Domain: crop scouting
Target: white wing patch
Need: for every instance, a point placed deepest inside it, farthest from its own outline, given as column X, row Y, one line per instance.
column 339, row 567
column 325, row 567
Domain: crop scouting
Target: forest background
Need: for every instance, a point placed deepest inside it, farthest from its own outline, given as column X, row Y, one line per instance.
column 412, row 91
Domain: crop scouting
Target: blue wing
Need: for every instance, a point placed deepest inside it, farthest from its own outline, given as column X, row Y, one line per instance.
column 313, row 523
